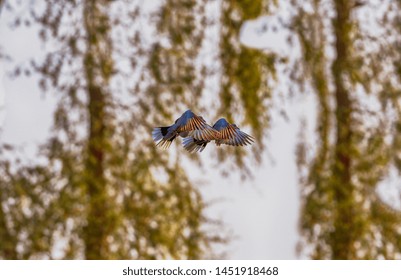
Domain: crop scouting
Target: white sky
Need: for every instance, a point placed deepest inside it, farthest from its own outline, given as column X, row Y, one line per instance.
column 2, row 96
column 262, row 213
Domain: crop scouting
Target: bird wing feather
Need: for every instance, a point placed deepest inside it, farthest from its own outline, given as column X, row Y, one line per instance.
column 199, row 129
column 233, row 136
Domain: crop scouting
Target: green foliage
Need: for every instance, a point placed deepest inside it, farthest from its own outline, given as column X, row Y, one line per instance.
column 105, row 191
column 244, row 77
column 343, row 216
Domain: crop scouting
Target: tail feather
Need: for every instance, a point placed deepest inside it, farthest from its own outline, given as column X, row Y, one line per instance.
column 192, row 145
column 159, row 132
column 158, row 135
column 189, row 144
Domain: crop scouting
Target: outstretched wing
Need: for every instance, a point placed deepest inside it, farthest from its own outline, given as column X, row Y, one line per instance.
column 196, row 127
column 233, row 136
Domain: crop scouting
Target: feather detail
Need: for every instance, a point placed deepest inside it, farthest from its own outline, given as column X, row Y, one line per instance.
column 192, row 145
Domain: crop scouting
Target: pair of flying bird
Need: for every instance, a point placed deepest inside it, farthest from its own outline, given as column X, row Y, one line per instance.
column 197, row 133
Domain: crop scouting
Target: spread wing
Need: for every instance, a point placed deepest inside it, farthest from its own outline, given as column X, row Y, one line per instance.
column 197, row 127
column 233, row 136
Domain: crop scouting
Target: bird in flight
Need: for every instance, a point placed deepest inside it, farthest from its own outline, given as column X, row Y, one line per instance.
column 197, row 133
column 229, row 134
column 188, row 125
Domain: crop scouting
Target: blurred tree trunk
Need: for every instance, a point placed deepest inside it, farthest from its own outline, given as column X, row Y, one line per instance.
column 8, row 244
column 97, row 68
column 342, row 237
column 343, row 214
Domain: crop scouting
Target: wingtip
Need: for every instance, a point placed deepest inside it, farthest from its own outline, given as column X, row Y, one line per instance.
column 164, row 144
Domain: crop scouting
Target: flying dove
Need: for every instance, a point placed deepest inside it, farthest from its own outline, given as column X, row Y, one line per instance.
column 188, row 125
column 229, row 134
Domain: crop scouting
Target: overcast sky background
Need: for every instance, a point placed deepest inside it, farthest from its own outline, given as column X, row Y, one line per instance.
column 262, row 213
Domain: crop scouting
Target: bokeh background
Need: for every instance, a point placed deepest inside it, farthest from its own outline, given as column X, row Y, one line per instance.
column 317, row 83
